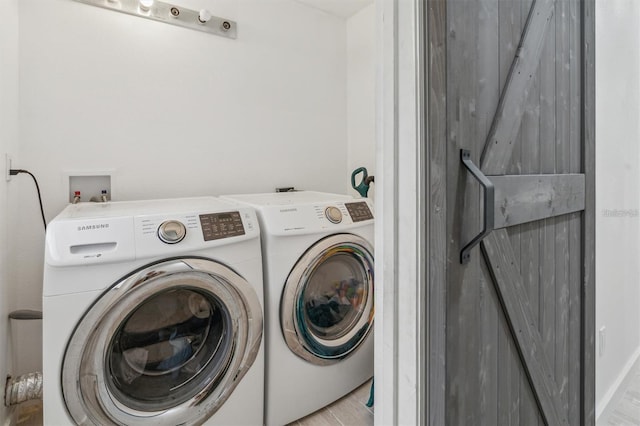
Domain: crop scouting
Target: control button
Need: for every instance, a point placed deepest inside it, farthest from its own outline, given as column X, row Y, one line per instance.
column 333, row 214
column 172, row 232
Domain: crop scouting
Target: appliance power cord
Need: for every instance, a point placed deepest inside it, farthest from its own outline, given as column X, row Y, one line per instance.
column 14, row 172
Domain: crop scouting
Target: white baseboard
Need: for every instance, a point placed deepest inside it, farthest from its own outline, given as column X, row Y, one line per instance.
column 606, row 399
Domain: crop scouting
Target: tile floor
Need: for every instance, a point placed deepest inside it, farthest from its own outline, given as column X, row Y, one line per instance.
column 348, row 411
column 624, row 408
column 29, row 414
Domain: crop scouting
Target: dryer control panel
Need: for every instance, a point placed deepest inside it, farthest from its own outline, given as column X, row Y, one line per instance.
column 317, row 217
column 359, row 211
column 342, row 213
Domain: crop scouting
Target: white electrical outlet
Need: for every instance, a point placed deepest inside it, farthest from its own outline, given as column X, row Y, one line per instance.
column 7, row 175
column 602, row 340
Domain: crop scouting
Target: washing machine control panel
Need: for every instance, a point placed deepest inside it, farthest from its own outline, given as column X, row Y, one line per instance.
column 221, row 225
column 164, row 234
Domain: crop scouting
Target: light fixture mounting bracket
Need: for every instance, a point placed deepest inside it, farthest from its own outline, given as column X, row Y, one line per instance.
column 171, row 14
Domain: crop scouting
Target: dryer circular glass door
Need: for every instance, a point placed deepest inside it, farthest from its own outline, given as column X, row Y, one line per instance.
column 167, row 344
column 326, row 310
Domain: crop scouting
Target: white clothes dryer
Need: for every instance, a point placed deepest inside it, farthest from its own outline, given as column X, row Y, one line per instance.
column 153, row 314
column 318, row 262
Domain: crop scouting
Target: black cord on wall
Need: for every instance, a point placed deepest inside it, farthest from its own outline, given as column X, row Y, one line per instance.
column 14, row 172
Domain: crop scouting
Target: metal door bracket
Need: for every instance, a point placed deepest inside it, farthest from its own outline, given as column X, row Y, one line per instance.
column 488, row 201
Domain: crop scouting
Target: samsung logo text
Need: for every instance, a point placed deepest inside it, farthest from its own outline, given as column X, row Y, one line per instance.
column 93, row 227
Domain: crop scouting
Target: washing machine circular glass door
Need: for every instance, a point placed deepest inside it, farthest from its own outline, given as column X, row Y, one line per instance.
column 167, row 344
column 326, row 310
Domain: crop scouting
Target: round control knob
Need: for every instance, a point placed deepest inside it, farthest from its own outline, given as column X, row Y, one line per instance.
column 171, row 232
column 333, row 214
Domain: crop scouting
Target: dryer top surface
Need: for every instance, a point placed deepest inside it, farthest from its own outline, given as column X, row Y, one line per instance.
column 287, row 198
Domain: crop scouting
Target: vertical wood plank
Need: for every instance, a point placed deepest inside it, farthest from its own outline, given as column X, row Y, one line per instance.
column 489, row 361
column 548, row 166
column 462, row 334
column 488, row 93
column 510, row 376
column 562, row 311
column 588, row 225
column 437, row 141
column 547, row 325
column 510, row 31
column 575, row 237
column 562, row 223
column 530, row 129
column 530, row 152
column 529, row 243
column 575, row 312
column 529, row 238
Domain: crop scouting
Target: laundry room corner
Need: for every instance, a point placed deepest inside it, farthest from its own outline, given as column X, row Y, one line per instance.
column 172, row 112
column 361, row 102
column 8, row 140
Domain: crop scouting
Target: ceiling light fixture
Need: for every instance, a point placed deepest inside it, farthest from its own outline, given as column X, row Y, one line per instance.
column 204, row 16
column 169, row 13
column 145, row 5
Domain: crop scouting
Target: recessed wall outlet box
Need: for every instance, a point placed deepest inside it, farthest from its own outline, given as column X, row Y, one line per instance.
column 91, row 185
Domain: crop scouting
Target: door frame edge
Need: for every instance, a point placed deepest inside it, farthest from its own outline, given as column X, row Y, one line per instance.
column 402, row 207
column 588, row 349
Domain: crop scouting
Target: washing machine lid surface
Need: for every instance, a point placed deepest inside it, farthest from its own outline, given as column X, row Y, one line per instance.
column 88, row 210
column 99, row 233
column 167, row 344
column 327, row 306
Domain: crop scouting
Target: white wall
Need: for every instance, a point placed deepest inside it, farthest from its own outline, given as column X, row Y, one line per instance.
column 617, row 189
column 175, row 112
column 8, row 139
column 361, row 106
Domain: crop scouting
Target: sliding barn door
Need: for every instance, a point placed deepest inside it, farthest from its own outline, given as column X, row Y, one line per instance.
column 511, row 151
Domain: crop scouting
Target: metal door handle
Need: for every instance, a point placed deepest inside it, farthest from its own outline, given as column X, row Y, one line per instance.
column 487, row 227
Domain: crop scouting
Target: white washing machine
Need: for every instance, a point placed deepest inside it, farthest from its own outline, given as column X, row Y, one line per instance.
column 318, row 262
column 153, row 314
